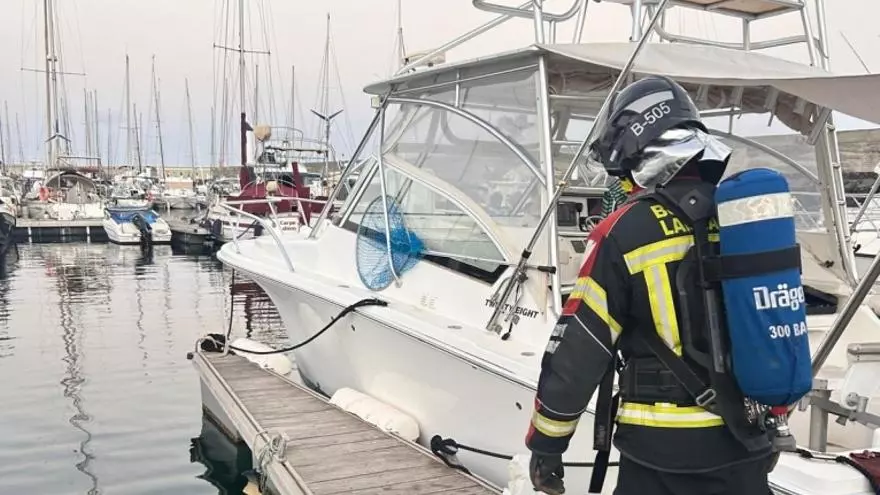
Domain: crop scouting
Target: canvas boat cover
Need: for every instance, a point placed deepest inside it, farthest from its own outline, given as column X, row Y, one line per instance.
column 854, row 95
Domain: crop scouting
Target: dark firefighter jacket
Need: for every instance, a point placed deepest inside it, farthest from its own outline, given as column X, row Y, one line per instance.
column 627, row 283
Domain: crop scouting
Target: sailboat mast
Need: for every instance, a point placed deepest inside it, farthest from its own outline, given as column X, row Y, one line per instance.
column 158, row 119
column 87, row 111
column 128, row 155
column 325, row 100
column 192, row 148
column 241, row 82
column 97, row 133
column 47, row 14
column 56, row 105
column 256, row 93
column 213, row 138
column 3, row 123
column 18, row 134
column 109, row 137
column 292, row 104
column 8, row 131
column 137, row 137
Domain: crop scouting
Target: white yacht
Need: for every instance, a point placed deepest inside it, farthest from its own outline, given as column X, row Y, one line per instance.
column 466, row 170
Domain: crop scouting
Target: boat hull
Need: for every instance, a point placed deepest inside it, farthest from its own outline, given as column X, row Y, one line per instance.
column 7, row 231
column 128, row 234
column 450, row 391
column 65, row 211
column 448, row 394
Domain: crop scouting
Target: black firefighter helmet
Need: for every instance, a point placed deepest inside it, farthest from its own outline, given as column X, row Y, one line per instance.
column 653, row 129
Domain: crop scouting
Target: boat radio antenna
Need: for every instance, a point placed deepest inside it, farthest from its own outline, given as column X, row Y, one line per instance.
column 518, row 275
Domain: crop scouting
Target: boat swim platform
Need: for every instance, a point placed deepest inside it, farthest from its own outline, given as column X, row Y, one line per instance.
column 327, row 450
column 50, row 230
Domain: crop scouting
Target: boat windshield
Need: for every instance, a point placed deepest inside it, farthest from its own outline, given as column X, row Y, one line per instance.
column 485, row 147
column 127, row 215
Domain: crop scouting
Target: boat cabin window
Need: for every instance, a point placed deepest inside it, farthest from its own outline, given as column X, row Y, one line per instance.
column 443, row 227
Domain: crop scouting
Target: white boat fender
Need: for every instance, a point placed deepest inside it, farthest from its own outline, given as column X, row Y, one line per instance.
column 279, row 363
column 376, row 413
column 518, row 480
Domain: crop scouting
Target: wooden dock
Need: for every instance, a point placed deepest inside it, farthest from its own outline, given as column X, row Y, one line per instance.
column 48, row 230
column 326, row 450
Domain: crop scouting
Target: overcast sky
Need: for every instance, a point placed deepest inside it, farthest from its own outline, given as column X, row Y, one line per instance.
column 96, row 35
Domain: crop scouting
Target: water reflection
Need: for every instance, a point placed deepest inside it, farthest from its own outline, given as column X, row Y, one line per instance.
column 69, row 273
column 7, row 270
column 225, row 461
column 109, row 328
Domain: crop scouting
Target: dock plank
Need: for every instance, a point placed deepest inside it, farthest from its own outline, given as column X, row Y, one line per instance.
column 442, row 484
column 330, row 450
column 364, row 463
column 300, row 457
column 386, row 480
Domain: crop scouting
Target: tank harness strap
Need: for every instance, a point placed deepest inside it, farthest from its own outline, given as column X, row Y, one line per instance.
column 704, row 395
column 718, row 268
column 603, row 426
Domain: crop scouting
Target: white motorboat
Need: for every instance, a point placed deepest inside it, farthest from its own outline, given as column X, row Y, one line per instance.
column 9, row 212
column 468, row 166
column 135, row 224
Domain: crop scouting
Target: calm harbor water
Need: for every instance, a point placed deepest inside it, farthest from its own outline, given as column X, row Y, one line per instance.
column 97, row 396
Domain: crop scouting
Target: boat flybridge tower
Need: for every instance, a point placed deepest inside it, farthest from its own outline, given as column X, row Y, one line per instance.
column 496, row 135
column 479, row 173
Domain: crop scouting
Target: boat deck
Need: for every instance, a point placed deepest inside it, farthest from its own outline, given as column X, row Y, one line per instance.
column 327, row 450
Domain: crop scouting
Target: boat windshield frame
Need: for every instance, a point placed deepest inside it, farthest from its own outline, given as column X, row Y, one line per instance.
column 435, row 106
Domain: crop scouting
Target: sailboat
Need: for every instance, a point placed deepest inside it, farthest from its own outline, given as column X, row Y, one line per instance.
column 272, row 194
column 69, row 191
column 464, row 177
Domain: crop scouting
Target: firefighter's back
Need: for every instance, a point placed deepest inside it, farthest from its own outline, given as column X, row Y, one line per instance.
column 659, row 423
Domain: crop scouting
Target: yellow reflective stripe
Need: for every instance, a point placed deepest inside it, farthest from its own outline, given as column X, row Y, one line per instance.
column 666, row 416
column 660, row 252
column 552, row 427
column 593, row 295
column 662, row 306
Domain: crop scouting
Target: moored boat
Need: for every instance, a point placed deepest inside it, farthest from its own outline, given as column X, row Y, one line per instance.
column 461, row 186
column 135, row 225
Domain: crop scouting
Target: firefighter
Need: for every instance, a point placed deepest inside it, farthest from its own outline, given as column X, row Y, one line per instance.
column 669, row 444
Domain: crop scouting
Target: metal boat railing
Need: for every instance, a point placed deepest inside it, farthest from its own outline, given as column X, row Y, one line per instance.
column 270, row 223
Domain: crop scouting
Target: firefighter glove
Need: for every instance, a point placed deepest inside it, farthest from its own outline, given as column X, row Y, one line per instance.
column 546, row 472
